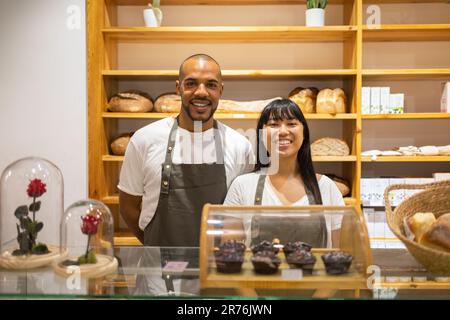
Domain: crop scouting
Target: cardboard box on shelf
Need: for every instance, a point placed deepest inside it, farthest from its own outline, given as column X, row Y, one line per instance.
column 375, row 100
column 385, row 95
column 445, row 99
column 365, row 100
column 396, row 103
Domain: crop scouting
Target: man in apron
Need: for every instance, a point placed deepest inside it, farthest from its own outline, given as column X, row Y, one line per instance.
column 161, row 199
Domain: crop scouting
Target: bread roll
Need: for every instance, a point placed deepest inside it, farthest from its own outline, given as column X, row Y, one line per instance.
column 243, row 106
column 119, row 145
column 304, row 98
column 329, row 147
column 438, row 234
column 331, row 101
column 342, row 184
column 419, row 223
column 168, row 102
column 130, row 101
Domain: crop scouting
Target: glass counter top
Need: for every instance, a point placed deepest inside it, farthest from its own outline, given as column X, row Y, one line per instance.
column 154, row 272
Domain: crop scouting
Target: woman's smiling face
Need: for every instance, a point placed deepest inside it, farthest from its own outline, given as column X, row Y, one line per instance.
column 284, row 136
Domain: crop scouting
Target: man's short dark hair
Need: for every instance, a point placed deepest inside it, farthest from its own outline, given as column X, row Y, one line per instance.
column 197, row 56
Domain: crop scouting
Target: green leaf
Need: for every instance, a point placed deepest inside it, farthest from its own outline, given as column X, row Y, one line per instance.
column 24, row 243
column 322, row 4
column 35, row 206
column 40, row 248
column 39, row 226
column 21, row 211
column 25, row 222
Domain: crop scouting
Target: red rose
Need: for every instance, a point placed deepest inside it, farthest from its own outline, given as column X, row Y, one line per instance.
column 90, row 224
column 36, row 188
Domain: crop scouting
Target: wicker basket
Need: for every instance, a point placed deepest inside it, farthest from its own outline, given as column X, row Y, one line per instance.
column 435, row 198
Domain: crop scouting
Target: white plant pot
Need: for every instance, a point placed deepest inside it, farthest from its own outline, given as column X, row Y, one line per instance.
column 315, row 17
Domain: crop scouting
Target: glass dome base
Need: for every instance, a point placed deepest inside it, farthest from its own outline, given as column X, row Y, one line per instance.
column 8, row 261
column 104, row 266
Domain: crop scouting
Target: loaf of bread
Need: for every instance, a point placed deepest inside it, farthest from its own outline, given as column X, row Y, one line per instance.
column 304, row 98
column 438, row 234
column 168, row 102
column 243, row 106
column 342, row 184
column 418, row 224
column 119, row 145
column 329, row 147
column 331, row 101
column 130, row 101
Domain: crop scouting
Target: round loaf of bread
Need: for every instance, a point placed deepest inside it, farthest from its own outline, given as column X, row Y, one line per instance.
column 438, row 234
column 304, row 98
column 329, row 147
column 119, row 145
column 419, row 223
column 342, row 184
column 130, row 101
column 331, row 101
column 168, row 102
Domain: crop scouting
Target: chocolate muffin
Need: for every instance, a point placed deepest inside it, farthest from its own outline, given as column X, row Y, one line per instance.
column 264, row 246
column 302, row 259
column 266, row 262
column 337, row 262
column 290, row 247
column 230, row 256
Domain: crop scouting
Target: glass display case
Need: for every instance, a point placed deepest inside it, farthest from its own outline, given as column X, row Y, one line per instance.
column 31, row 207
column 258, row 247
column 87, row 235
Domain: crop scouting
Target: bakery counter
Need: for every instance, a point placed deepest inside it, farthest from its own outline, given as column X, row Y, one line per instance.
column 153, row 272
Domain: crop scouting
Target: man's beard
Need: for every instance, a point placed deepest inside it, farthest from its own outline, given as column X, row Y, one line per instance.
column 188, row 112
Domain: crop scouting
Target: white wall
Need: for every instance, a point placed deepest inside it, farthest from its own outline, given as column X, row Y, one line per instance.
column 43, row 108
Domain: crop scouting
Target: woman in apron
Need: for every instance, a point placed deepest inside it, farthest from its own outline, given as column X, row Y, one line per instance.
column 284, row 175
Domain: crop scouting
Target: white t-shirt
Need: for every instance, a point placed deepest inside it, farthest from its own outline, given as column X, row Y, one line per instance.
column 243, row 190
column 141, row 169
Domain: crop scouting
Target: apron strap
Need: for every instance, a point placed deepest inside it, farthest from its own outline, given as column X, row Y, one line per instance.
column 260, row 190
column 167, row 166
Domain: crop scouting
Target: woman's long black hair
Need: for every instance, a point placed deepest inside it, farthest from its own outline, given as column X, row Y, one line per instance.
column 285, row 109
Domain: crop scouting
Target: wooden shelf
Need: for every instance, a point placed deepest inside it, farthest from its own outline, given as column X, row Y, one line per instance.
column 110, row 158
column 235, row 73
column 408, row 32
column 115, row 200
column 406, row 74
column 218, row 2
column 435, row 115
column 407, row 159
column 232, row 34
column 223, row 116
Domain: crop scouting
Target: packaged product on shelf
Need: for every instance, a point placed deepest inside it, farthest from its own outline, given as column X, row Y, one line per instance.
column 441, row 176
column 377, row 191
column 365, row 103
column 445, row 99
column 385, row 93
column 375, row 100
column 396, row 103
column 396, row 196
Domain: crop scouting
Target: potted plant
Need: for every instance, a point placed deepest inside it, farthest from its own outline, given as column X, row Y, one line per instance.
column 315, row 13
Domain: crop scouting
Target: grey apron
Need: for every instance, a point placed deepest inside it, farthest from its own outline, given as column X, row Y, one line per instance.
column 312, row 229
column 185, row 188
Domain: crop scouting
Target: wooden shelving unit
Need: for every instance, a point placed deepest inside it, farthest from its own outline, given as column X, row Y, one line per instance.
column 105, row 74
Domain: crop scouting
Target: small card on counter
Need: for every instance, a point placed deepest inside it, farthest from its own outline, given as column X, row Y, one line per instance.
column 175, row 266
column 291, row 274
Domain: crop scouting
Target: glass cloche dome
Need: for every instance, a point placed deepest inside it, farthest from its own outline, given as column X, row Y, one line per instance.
column 87, row 233
column 31, row 208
